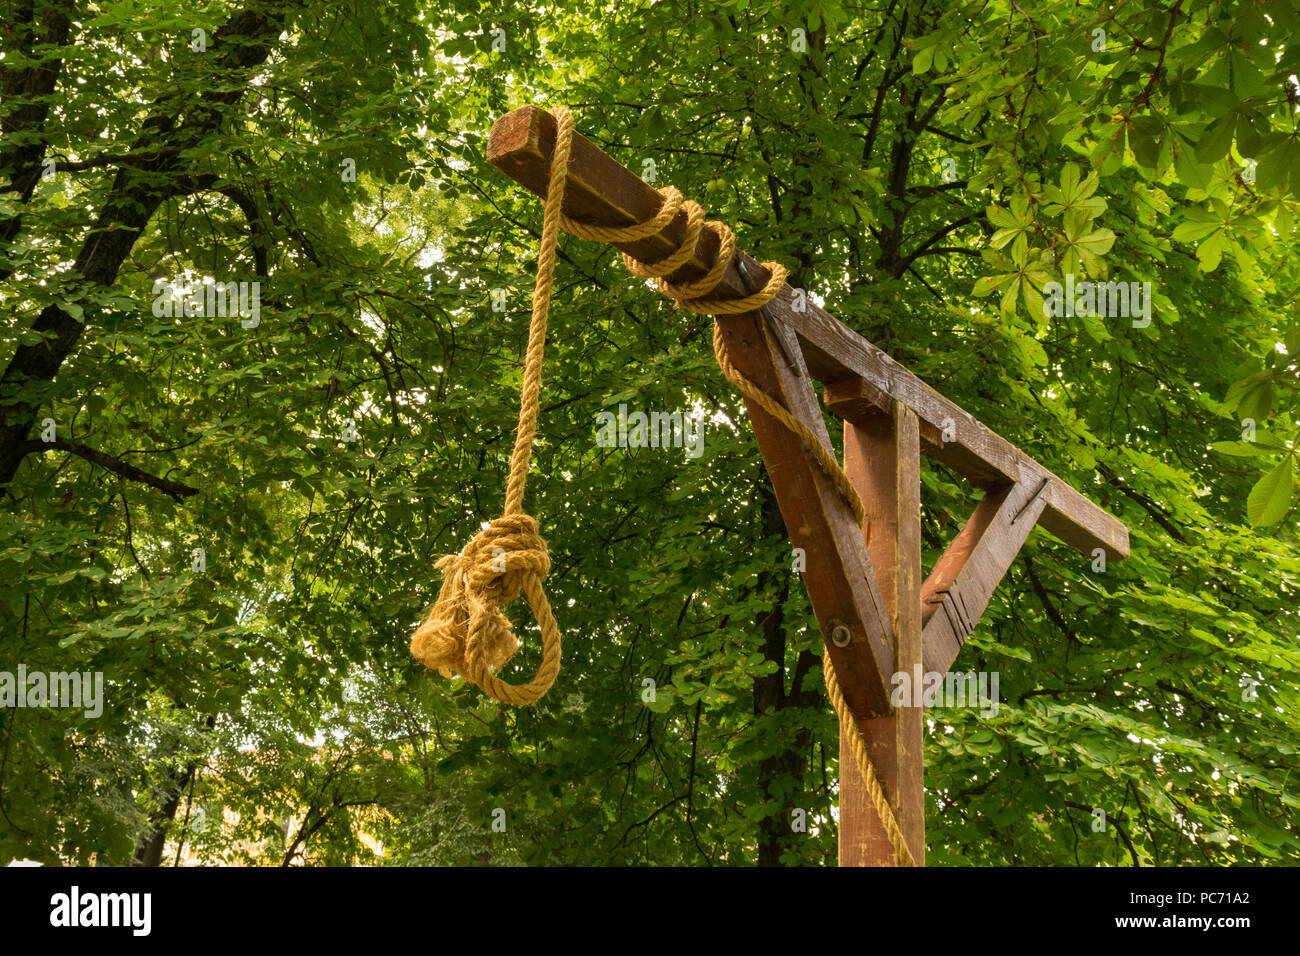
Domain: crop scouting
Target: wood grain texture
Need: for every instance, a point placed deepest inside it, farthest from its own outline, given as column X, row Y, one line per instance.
column 601, row 191
column 909, row 638
column 883, row 460
column 964, row 578
column 842, row 587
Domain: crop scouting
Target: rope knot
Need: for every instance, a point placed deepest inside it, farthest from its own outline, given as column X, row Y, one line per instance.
column 499, row 558
column 466, row 633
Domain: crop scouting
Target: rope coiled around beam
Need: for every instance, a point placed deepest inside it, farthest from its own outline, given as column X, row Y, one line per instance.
column 466, row 633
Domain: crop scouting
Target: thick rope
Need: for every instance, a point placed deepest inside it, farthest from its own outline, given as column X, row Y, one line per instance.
column 694, row 297
column 466, row 632
column 902, row 854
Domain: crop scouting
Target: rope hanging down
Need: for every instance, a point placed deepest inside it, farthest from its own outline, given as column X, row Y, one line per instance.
column 466, row 633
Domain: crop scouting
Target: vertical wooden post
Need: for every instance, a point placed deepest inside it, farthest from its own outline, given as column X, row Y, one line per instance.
column 882, row 457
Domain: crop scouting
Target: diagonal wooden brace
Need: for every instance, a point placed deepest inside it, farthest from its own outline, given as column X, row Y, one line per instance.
column 958, row 590
column 1019, row 494
column 841, row 584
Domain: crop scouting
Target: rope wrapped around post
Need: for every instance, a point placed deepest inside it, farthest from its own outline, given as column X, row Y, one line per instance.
column 466, row 633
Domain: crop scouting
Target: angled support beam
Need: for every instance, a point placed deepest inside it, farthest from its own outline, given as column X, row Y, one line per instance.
column 1019, row 495
column 838, row 575
column 974, row 452
column 964, row 578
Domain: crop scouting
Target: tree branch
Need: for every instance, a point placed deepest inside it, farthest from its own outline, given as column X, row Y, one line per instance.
column 1147, row 504
column 946, row 230
column 62, row 165
column 118, row 467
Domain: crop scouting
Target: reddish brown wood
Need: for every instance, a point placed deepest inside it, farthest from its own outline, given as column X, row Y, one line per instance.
column 842, row 587
column 882, row 458
column 857, row 399
column 964, row 578
column 909, row 640
column 599, row 190
column 891, row 417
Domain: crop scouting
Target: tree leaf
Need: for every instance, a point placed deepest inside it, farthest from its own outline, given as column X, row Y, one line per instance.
column 1270, row 499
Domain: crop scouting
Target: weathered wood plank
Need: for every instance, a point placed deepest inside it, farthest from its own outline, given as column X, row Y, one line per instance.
column 858, row 399
column 602, row 191
column 964, row 578
column 838, row 575
column 975, row 452
column 882, row 458
column 909, row 636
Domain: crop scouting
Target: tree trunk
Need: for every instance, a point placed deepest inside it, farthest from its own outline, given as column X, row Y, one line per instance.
column 149, row 847
column 137, row 192
column 776, row 773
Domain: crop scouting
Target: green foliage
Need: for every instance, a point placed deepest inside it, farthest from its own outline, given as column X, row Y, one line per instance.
column 261, row 706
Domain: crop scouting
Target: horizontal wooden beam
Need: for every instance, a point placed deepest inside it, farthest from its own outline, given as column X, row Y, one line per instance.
column 599, row 190
column 858, row 401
